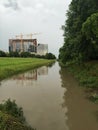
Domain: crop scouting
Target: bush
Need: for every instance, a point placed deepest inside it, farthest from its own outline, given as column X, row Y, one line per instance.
column 50, row 56
column 10, row 107
column 33, row 55
column 14, row 54
column 11, row 117
column 40, row 56
column 2, row 54
column 25, row 54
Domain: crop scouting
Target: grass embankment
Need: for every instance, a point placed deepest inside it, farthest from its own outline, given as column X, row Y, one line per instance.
column 11, row 117
column 8, row 122
column 87, row 75
column 11, row 66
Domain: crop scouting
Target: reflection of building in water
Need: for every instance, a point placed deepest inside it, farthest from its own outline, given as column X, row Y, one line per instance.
column 32, row 75
column 42, row 70
column 29, row 77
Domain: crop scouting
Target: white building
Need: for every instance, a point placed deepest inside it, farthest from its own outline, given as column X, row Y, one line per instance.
column 42, row 49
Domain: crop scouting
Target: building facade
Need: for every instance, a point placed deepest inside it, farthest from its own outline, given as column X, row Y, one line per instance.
column 42, row 49
column 23, row 45
column 27, row 45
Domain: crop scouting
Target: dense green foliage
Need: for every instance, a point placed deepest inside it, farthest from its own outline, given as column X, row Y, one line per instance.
column 88, row 77
column 11, row 66
column 90, row 31
column 27, row 55
column 2, row 54
column 13, row 54
column 80, row 49
column 11, row 108
column 50, row 56
column 80, row 32
column 11, row 117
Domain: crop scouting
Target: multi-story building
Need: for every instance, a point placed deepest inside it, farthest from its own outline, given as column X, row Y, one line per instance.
column 23, row 45
column 27, row 45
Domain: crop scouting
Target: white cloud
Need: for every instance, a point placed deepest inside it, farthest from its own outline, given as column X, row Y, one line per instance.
column 13, row 4
column 29, row 16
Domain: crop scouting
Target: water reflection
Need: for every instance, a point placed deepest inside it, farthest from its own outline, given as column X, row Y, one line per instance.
column 92, row 94
column 31, row 76
column 39, row 93
column 80, row 111
column 50, row 65
column 42, row 71
column 51, row 100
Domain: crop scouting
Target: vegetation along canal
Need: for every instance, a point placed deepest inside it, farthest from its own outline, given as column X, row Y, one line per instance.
column 51, row 99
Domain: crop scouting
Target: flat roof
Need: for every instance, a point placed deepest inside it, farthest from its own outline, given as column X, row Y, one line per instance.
column 25, row 40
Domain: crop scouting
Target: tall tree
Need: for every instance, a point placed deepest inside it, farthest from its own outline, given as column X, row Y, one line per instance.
column 74, row 47
column 90, row 31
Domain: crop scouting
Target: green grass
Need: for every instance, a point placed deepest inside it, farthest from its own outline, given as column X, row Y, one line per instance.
column 87, row 76
column 11, row 66
column 87, row 73
column 8, row 122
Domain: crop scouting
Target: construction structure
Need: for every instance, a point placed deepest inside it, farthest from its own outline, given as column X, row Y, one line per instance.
column 21, row 44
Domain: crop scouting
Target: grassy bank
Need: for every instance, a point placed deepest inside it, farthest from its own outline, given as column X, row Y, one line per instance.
column 87, row 76
column 11, row 66
column 11, row 117
column 8, row 122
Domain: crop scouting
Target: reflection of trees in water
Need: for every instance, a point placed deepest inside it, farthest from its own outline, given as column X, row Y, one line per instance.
column 51, row 64
column 96, row 114
column 92, row 94
column 31, row 75
column 64, row 106
column 76, row 102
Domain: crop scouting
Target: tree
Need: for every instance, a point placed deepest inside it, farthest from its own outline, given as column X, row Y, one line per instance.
column 2, row 54
column 90, row 31
column 74, row 41
column 50, row 56
column 90, row 27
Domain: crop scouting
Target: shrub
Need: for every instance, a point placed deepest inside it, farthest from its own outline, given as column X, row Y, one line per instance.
column 2, row 54
column 14, row 54
column 50, row 56
column 11, row 117
column 25, row 54
column 10, row 107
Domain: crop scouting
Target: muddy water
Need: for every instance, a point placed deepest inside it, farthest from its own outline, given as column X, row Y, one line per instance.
column 51, row 99
column 82, row 113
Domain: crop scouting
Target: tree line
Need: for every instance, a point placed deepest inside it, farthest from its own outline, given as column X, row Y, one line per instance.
column 80, row 32
column 26, row 55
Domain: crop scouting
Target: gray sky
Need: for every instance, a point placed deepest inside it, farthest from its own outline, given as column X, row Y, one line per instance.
column 33, row 16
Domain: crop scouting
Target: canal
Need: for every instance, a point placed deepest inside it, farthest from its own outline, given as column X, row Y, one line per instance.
column 51, row 99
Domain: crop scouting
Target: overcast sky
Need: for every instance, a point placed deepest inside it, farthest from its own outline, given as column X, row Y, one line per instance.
column 33, row 16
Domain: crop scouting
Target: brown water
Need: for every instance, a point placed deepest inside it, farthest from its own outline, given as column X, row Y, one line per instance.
column 51, row 99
